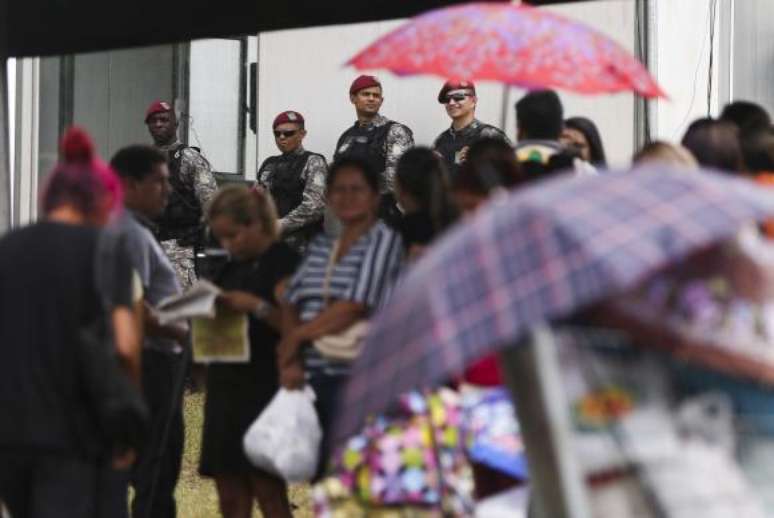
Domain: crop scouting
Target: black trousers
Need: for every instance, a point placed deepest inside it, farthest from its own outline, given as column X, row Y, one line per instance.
column 326, row 389
column 36, row 484
column 156, row 472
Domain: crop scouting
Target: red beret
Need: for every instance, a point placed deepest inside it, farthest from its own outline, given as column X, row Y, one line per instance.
column 363, row 82
column 288, row 116
column 157, row 107
column 454, row 84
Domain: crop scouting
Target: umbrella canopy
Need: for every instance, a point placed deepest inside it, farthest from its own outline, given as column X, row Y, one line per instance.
column 514, row 44
column 535, row 255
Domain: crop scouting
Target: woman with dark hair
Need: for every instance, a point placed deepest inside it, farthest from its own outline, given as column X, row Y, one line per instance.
column 245, row 223
column 715, row 144
column 491, row 165
column 422, row 189
column 581, row 134
column 340, row 284
column 52, row 445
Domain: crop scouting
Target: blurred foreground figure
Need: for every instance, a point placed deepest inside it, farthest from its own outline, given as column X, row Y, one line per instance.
column 145, row 180
column 53, row 442
column 715, row 144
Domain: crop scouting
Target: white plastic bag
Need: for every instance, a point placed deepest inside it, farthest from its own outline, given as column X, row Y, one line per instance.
column 285, row 439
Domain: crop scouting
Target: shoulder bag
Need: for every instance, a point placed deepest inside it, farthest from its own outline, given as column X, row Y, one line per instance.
column 347, row 343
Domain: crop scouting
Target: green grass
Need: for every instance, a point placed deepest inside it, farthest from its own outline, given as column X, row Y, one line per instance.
column 196, row 497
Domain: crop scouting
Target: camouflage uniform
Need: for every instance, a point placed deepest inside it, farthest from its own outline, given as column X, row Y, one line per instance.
column 312, row 206
column 398, row 140
column 451, row 142
column 195, row 170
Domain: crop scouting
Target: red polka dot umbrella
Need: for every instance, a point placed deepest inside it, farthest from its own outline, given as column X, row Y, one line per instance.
column 515, row 44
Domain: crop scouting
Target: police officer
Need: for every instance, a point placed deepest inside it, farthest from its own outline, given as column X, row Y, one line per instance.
column 459, row 98
column 296, row 181
column 376, row 139
column 193, row 185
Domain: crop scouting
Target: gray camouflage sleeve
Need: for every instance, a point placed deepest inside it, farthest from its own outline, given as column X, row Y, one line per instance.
column 197, row 170
column 312, row 203
column 399, row 140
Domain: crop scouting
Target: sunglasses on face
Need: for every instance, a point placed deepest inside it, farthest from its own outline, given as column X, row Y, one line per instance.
column 286, row 134
column 457, row 98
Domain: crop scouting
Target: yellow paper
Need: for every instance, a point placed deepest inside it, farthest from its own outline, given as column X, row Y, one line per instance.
column 222, row 339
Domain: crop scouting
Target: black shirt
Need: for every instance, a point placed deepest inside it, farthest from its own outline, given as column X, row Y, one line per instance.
column 48, row 293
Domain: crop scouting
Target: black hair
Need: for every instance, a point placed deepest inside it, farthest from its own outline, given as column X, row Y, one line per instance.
column 759, row 151
column 423, row 175
column 370, row 175
column 747, row 116
column 590, row 131
column 539, row 115
column 490, row 163
column 137, row 161
column 715, row 144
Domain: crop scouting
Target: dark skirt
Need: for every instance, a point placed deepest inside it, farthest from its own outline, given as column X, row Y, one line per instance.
column 236, row 396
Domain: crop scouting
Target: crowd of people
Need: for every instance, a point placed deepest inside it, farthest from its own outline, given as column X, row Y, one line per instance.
column 314, row 252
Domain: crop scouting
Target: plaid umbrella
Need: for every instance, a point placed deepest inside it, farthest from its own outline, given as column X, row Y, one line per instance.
column 535, row 255
column 515, row 44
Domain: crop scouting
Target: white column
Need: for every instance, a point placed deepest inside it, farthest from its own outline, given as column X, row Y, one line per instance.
column 27, row 140
column 5, row 158
column 691, row 42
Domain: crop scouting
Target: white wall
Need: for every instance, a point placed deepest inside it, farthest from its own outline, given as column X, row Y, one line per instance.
column 681, row 65
column 303, row 70
column 213, row 105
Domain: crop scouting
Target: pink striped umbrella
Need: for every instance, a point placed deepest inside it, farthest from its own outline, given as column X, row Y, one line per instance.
column 518, row 45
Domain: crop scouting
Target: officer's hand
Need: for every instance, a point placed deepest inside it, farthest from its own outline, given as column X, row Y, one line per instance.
column 463, row 154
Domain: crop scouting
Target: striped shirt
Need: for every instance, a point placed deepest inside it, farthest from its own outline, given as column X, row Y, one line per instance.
column 365, row 275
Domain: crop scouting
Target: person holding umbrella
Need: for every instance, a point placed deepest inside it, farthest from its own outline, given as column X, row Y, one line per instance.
column 375, row 139
column 460, row 100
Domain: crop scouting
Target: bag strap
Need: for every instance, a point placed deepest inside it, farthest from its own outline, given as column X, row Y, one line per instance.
column 329, row 272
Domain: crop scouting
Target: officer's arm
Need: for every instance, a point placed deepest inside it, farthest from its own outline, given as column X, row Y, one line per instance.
column 312, row 203
column 399, row 140
column 196, row 169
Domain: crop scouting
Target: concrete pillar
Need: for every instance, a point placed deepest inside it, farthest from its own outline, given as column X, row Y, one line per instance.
column 5, row 151
column 27, row 141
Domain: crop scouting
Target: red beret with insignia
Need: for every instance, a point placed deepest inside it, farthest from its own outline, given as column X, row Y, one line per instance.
column 454, row 84
column 363, row 82
column 288, row 116
column 157, row 107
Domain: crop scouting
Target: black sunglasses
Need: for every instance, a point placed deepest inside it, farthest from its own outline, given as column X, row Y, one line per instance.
column 457, row 97
column 286, row 134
